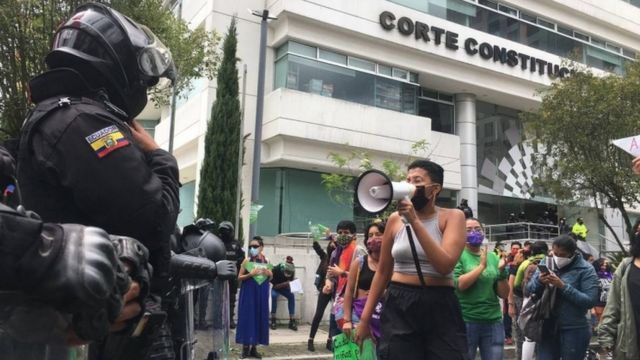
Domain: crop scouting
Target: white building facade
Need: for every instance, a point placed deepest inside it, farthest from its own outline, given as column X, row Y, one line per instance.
column 381, row 75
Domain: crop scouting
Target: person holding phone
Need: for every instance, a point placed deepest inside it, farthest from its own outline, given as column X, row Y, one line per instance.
column 480, row 278
column 567, row 332
column 253, row 303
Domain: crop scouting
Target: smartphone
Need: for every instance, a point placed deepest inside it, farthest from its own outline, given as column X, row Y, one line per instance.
column 543, row 268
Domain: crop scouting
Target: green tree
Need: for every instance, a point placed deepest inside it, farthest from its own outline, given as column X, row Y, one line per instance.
column 572, row 130
column 340, row 185
column 219, row 174
column 28, row 28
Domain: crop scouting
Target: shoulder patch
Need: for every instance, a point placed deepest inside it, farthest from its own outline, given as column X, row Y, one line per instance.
column 106, row 140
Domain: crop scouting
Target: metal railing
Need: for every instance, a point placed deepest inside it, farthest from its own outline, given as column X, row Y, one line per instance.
column 520, row 231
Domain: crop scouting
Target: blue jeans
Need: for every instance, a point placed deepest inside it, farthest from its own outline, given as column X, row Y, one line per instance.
column 569, row 344
column 489, row 337
column 291, row 300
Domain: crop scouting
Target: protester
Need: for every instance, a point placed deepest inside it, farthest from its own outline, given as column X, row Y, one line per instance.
column 283, row 275
column 359, row 283
column 480, row 277
column 253, row 303
column 422, row 318
column 338, row 270
column 567, row 331
column 538, row 250
column 605, row 276
column 511, row 308
column 618, row 329
column 323, row 299
column 506, row 319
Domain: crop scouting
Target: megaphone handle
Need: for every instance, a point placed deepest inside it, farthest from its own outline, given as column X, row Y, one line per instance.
column 414, row 252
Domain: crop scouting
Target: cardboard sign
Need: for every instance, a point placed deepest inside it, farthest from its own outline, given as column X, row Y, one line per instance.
column 629, row 144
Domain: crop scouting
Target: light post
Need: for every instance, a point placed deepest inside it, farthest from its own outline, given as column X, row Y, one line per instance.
column 257, row 143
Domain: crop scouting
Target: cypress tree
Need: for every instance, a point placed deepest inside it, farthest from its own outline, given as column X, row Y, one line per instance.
column 219, row 172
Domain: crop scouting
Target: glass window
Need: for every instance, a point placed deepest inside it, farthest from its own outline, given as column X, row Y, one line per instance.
column 565, row 30
column 445, row 97
column 362, row 64
column 432, row 94
column 628, row 53
column 528, row 17
column 613, row 47
column 580, row 36
column 413, row 77
column 333, row 57
column 301, row 49
column 282, row 50
column 316, row 77
column 596, row 41
column 399, row 73
column 547, row 24
column 488, row 3
column 395, row 95
column 508, row 10
column 384, row 70
column 286, row 195
column 441, row 115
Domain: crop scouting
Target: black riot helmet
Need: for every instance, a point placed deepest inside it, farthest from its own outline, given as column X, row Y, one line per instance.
column 226, row 229
column 205, row 224
column 113, row 52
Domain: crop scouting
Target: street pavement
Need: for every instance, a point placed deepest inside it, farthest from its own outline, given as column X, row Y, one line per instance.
column 289, row 344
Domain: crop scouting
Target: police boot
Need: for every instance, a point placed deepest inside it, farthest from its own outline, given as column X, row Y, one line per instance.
column 273, row 323
column 293, row 325
column 310, row 346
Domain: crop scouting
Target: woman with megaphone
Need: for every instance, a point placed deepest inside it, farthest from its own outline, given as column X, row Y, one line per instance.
column 420, row 247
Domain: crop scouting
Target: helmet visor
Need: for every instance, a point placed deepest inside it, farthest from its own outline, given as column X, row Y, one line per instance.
column 155, row 59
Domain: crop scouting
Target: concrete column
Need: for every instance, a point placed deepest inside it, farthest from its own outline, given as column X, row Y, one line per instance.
column 466, row 128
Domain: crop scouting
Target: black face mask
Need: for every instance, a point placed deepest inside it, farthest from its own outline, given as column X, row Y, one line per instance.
column 419, row 199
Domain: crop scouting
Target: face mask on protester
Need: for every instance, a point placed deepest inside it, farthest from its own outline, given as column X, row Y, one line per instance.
column 374, row 244
column 562, row 261
column 254, row 252
column 475, row 238
column 419, row 200
column 343, row 239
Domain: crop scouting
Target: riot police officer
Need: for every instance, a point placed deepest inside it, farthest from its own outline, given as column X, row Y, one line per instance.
column 60, row 284
column 82, row 157
column 236, row 254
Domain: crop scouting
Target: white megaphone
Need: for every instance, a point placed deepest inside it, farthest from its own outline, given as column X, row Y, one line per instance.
column 375, row 191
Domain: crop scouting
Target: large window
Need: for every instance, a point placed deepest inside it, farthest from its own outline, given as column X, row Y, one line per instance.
column 439, row 108
column 513, row 24
column 346, row 78
column 292, row 198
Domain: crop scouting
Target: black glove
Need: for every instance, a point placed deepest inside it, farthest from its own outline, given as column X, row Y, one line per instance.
column 7, row 164
column 135, row 257
column 226, row 270
column 187, row 266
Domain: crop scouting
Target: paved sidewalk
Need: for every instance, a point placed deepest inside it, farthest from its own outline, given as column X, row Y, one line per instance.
column 283, row 344
column 288, row 344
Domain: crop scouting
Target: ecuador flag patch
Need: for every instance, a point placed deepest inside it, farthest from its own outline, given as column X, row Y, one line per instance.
column 107, row 140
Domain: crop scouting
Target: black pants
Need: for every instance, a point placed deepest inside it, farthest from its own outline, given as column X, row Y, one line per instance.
column 323, row 301
column 422, row 323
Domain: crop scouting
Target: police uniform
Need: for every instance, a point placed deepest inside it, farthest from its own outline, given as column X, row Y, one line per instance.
column 236, row 254
column 78, row 163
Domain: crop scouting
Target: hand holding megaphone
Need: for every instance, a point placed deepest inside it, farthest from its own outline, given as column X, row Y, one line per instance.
column 375, row 191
